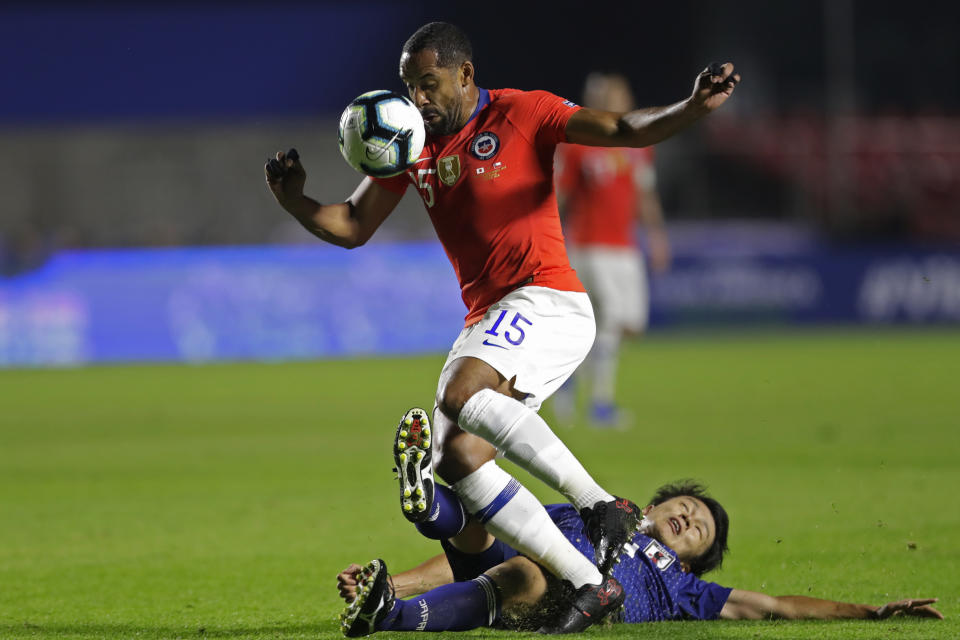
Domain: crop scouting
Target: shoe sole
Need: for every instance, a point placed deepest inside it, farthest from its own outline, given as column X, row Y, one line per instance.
column 631, row 528
column 359, row 618
column 577, row 618
column 413, row 456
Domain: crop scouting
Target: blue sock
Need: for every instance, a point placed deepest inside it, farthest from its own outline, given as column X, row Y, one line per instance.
column 467, row 566
column 448, row 517
column 452, row 607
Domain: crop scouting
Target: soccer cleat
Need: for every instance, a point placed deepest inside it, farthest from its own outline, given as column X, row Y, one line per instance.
column 412, row 455
column 375, row 599
column 590, row 604
column 610, row 526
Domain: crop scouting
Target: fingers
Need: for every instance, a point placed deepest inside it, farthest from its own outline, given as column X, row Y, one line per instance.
column 920, row 607
column 722, row 76
column 926, row 612
column 347, row 580
column 349, row 575
column 917, row 607
column 276, row 168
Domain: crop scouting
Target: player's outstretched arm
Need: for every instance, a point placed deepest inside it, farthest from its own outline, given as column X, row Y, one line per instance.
column 645, row 127
column 346, row 224
column 750, row 605
column 425, row 576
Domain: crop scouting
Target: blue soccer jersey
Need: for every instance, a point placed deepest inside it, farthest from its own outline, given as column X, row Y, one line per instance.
column 656, row 587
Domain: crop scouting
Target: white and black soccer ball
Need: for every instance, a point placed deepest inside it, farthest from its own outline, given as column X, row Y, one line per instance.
column 381, row 133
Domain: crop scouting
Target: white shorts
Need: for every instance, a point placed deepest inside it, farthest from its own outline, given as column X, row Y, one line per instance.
column 617, row 281
column 535, row 334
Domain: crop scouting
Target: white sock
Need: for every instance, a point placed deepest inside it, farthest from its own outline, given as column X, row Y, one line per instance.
column 603, row 364
column 527, row 440
column 515, row 516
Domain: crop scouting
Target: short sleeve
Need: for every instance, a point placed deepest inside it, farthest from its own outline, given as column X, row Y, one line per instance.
column 396, row 184
column 701, row 600
column 542, row 115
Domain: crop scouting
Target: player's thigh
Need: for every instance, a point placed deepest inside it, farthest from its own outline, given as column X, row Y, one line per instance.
column 534, row 337
column 520, row 580
column 462, row 378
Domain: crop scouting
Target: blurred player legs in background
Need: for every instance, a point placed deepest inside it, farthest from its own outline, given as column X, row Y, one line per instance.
column 603, row 193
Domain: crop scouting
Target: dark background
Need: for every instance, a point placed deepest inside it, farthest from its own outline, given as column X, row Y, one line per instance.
column 147, row 124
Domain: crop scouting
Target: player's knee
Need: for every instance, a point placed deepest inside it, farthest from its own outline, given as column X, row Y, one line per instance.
column 461, row 455
column 454, row 395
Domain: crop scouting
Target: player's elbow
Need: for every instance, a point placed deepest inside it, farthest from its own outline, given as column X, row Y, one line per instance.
column 354, row 241
column 350, row 240
column 350, row 243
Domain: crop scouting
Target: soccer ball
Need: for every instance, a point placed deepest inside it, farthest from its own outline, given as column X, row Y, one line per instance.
column 381, row 134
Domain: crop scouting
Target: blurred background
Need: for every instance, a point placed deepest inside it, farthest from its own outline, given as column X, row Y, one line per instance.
column 135, row 225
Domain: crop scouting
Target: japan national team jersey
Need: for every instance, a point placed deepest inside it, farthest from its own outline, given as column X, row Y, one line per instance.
column 655, row 586
column 600, row 188
column 488, row 189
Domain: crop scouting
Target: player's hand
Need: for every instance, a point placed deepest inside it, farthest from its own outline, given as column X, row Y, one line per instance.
column 347, row 582
column 285, row 177
column 919, row 607
column 714, row 85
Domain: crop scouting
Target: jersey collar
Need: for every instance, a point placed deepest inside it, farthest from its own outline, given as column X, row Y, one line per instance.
column 482, row 101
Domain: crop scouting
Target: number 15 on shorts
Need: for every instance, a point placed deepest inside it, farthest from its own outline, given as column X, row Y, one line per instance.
column 514, row 333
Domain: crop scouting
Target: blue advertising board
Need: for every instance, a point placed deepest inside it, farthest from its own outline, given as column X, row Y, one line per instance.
column 230, row 303
column 276, row 303
column 825, row 286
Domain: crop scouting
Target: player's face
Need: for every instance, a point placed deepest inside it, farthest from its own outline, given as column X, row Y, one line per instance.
column 684, row 524
column 438, row 92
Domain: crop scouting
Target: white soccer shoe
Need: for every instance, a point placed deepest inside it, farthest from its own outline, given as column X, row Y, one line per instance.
column 374, row 601
column 413, row 456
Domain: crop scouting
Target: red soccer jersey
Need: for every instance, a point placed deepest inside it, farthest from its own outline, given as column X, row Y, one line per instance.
column 489, row 191
column 601, row 193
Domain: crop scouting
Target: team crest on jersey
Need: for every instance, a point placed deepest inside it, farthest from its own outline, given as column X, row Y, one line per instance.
column 659, row 555
column 485, row 145
column 448, row 168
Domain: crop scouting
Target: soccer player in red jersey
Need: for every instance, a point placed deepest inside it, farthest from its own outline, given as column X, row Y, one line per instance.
column 603, row 192
column 486, row 180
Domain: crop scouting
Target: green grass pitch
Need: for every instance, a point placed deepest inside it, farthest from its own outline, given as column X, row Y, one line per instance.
column 220, row 501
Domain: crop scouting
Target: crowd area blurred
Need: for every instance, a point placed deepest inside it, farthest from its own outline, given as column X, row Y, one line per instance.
column 148, row 126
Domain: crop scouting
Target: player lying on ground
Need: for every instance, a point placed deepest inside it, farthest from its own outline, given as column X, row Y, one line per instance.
column 481, row 581
column 486, row 180
column 658, row 581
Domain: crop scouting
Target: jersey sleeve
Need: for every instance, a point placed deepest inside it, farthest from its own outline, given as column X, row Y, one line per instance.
column 701, row 600
column 396, row 184
column 542, row 116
